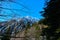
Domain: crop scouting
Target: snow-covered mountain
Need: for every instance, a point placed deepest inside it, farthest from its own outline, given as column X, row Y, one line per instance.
column 28, row 18
column 17, row 24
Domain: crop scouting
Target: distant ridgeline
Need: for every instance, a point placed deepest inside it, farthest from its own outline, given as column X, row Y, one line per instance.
column 15, row 25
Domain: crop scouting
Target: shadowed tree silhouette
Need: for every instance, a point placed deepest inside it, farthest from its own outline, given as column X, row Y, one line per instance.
column 52, row 16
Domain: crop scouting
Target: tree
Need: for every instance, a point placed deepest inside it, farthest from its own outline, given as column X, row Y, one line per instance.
column 52, row 15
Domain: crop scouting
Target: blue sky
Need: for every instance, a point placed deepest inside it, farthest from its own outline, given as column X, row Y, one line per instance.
column 28, row 8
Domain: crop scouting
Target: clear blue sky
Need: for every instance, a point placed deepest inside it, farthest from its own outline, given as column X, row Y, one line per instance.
column 29, row 8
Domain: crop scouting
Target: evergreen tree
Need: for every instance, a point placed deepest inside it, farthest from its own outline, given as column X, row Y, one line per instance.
column 52, row 16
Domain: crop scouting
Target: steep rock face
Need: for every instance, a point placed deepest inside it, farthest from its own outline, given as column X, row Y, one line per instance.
column 32, row 33
column 16, row 25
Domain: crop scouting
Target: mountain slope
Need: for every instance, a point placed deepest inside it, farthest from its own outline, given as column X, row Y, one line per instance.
column 16, row 25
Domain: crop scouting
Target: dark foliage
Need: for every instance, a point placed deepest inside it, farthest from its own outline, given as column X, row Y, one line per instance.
column 52, row 15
